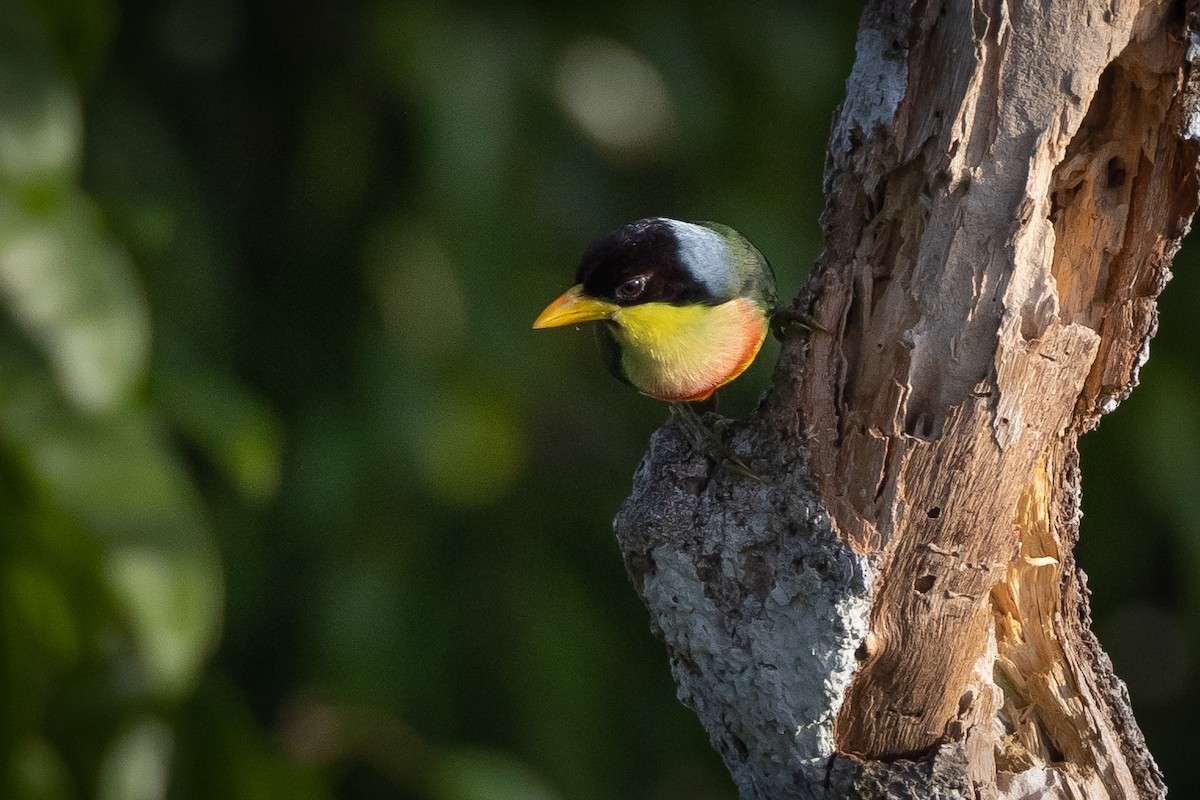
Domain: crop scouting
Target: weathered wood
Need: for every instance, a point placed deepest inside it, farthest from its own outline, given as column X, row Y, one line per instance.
column 898, row 606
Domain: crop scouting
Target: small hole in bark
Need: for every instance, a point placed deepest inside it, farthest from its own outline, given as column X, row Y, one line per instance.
column 1116, row 173
column 868, row 647
column 924, row 583
column 934, row 512
column 1053, row 752
column 641, row 565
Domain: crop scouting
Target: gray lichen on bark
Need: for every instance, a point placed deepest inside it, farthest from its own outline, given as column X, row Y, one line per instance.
column 761, row 606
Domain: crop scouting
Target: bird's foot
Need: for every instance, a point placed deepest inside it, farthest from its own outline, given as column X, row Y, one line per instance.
column 785, row 320
column 709, row 442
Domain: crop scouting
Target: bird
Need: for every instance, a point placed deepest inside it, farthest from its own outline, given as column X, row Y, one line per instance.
column 683, row 309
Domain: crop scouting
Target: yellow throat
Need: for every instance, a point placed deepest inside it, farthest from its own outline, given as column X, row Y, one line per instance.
column 685, row 352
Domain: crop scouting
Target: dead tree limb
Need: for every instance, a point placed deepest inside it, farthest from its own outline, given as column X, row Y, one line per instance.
column 897, row 612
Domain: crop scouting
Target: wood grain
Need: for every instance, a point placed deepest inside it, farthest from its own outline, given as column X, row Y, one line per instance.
column 992, row 258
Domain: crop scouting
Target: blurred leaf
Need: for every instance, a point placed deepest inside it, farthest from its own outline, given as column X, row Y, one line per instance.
column 116, row 476
column 234, row 429
column 172, row 601
column 42, row 134
column 137, row 763
column 39, row 772
column 74, row 293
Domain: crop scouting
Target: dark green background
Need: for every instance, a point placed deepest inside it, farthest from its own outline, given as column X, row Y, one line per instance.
column 294, row 502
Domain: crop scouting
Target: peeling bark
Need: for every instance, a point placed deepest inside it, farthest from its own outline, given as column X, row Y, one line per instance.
column 897, row 612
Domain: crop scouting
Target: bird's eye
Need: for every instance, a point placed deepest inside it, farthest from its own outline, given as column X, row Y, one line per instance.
column 631, row 288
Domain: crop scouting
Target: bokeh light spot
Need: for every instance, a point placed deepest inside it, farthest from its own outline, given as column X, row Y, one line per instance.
column 416, row 288
column 471, row 449
column 614, row 95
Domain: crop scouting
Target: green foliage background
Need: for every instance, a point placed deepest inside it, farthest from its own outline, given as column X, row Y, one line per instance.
column 294, row 502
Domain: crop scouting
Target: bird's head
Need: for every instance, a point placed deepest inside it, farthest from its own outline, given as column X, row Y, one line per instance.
column 685, row 304
column 660, row 261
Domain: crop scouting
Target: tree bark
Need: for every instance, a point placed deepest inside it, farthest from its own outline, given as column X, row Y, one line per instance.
column 896, row 612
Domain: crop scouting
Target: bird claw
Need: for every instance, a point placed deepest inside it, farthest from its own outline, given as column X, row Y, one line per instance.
column 709, row 442
column 784, row 318
column 734, row 464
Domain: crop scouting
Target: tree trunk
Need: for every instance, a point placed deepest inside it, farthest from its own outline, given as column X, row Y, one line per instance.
column 897, row 612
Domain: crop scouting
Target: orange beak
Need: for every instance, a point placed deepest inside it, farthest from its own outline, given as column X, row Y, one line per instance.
column 573, row 306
